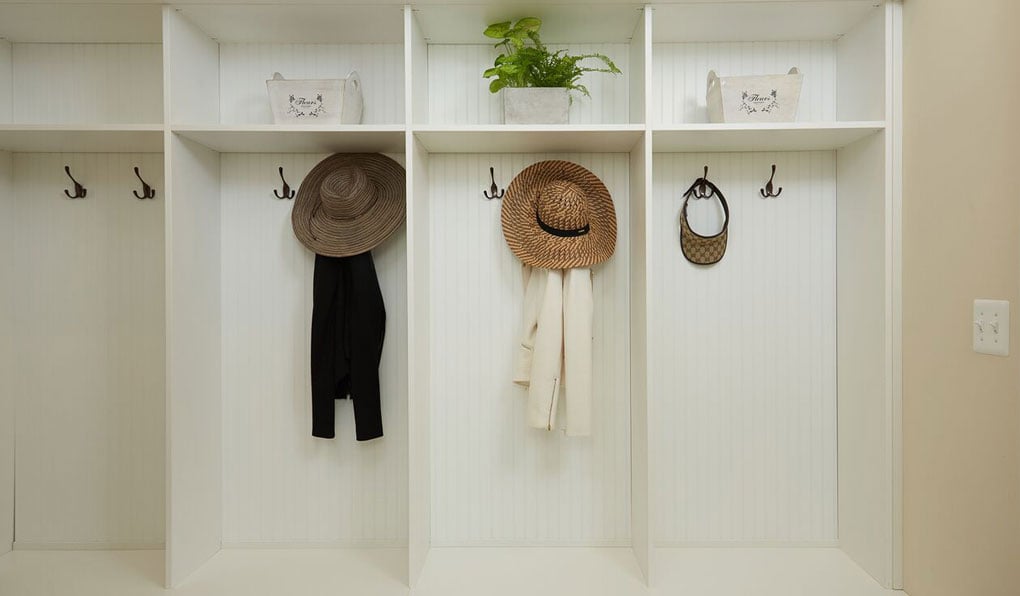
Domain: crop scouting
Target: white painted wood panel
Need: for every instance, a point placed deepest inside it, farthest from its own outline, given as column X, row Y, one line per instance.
column 6, row 81
column 680, row 75
column 7, row 351
column 62, row 83
column 459, row 95
column 191, row 75
column 496, row 481
column 244, row 68
column 194, row 400
column 861, row 77
column 865, row 422
column 88, row 368
column 280, row 484
column 743, row 354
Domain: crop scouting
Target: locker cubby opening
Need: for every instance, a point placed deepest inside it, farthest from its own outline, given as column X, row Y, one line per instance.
column 222, row 56
column 838, row 46
column 93, row 65
column 452, row 54
column 290, row 507
column 82, row 398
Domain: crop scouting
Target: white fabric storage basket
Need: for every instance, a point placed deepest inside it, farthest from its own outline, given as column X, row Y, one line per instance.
column 316, row 101
column 765, row 98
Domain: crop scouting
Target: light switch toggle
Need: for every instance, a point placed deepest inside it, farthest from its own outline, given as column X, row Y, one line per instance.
column 991, row 327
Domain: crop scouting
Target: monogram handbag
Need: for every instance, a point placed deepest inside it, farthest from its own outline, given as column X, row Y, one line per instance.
column 698, row 249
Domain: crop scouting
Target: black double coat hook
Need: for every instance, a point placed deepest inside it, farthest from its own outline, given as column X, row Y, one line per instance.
column 287, row 192
column 147, row 191
column 494, row 191
column 767, row 192
column 79, row 190
column 702, row 188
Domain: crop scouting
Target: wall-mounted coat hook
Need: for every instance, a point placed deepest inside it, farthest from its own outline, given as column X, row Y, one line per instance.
column 147, row 191
column 702, row 188
column 288, row 192
column 767, row 192
column 79, row 190
column 494, row 191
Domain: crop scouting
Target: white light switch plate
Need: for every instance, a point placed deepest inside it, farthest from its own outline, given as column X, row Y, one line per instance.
column 991, row 327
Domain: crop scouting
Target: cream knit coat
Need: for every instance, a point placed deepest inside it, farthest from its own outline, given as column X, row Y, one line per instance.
column 555, row 354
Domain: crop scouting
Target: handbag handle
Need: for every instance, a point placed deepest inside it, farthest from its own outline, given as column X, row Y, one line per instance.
column 715, row 192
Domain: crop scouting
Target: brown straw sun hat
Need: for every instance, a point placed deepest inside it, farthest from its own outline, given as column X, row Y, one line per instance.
column 558, row 215
column 349, row 204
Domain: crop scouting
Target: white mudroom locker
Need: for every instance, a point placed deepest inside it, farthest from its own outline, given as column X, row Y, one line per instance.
column 154, row 356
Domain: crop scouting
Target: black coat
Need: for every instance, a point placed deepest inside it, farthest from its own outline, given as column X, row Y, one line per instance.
column 348, row 326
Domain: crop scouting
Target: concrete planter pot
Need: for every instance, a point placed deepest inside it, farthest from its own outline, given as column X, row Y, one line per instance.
column 535, row 105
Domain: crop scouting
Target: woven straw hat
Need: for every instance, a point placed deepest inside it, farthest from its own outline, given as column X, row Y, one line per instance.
column 558, row 215
column 349, row 204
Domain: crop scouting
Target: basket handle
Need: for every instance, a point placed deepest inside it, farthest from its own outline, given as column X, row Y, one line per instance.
column 713, row 79
column 794, row 71
column 354, row 79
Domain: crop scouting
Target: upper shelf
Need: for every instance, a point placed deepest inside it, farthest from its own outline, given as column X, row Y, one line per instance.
column 561, row 23
column 792, row 136
column 304, row 24
column 271, row 138
column 758, row 21
column 537, row 138
column 74, row 23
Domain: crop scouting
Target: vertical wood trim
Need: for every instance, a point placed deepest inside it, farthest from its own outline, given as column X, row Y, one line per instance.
column 863, row 344
column 7, row 347
column 194, row 404
column 416, row 67
column 894, row 151
column 192, row 66
column 419, row 359
column 639, row 446
column 862, row 76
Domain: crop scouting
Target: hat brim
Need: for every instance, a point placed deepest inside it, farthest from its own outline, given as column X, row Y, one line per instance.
column 538, row 248
column 344, row 238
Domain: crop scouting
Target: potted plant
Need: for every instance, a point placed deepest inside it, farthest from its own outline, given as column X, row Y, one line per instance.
column 536, row 82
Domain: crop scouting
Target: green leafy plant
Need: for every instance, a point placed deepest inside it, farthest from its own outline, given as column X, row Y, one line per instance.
column 526, row 62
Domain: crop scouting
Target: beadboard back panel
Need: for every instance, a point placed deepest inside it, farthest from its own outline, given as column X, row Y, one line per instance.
column 680, row 75
column 281, row 485
column 245, row 67
column 88, row 293
column 743, row 354
column 459, row 95
column 494, row 480
column 94, row 83
column 7, row 348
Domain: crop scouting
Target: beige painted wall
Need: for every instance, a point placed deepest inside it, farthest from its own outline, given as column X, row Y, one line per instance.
column 961, row 223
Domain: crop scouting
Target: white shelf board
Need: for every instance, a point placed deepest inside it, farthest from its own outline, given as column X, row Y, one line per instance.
column 761, row 571
column 272, row 138
column 758, row 20
column 290, row 23
column 82, row 572
column 536, row 138
column 561, row 23
column 76, row 23
column 71, row 138
column 535, row 571
column 794, row 136
column 304, row 571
